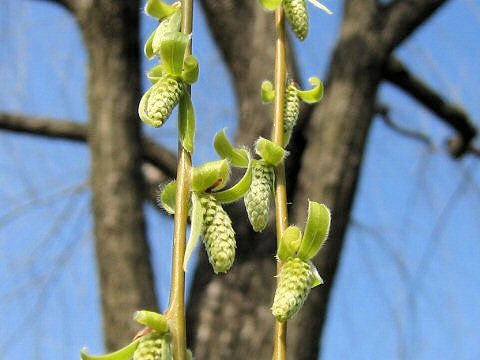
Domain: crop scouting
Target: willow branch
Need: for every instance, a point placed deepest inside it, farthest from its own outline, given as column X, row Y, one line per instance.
column 398, row 74
column 176, row 306
column 280, row 339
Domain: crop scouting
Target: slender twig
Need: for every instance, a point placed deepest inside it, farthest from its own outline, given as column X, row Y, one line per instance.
column 176, row 307
column 384, row 112
column 280, row 340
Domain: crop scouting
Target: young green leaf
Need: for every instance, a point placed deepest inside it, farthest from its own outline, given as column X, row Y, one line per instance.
column 269, row 151
column 290, row 242
column 239, row 189
column 195, row 228
column 148, row 49
column 155, row 73
column 172, row 52
column 190, row 69
column 122, row 354
column 152, row 319
column 210, row 176
column 186, row 122
column 316, row 230
column 168, row 25
column 313, row 95
column 267, row 92
column 270, row 5
column 223, row 147
column 158, row 9
column 167, row 197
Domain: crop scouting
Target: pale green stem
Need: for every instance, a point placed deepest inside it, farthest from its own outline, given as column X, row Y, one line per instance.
column 176, row 306
column 280, row 339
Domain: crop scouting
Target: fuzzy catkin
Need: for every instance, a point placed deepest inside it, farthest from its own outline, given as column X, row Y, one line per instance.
column 218, row 234
column 257, row 199
column 294, row 284
column 296, row 13
column 291, row 109
column 154, row 346
column 163, row 97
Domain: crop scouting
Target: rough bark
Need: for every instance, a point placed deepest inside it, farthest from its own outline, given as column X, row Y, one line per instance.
column 111, row 34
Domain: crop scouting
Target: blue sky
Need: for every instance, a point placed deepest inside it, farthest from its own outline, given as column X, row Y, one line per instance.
column 407, row 287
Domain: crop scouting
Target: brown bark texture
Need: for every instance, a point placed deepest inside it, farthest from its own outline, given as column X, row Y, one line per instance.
column 111, row 35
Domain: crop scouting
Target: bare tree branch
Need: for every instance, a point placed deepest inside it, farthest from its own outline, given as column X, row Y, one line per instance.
column 453, row 115
column 159, row 166
column 155, row 154
column 67, row 4
column 384, row 113
column 401, row 17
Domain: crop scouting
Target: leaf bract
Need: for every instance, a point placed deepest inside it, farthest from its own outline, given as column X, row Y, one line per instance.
column 167, row 197
column 272, row 153
column 316, row 230
column 267, row 92
column 313, row 95
column 223, row 147
column 195, row 228
column 239, row 189
column 122, row 354
column 186, row 122
column 172, row 52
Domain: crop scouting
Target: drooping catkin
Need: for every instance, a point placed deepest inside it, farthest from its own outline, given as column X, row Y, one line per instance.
column 162, row 99
column 218, row 234
column 296, row 13
column 257, row 199
column 294, row 284
column 154, row 346
column 291, row 109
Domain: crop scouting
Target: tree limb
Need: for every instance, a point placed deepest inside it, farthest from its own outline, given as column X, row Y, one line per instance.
column 67, row 4
column 155, row 154
column 159, row 164
column 398, row 74
column 401, row 17
column 384, row 113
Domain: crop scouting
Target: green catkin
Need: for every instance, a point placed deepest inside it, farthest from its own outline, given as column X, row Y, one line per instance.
column 218, row 234
column 154, row 346
column 294, row 284
column 296, row 12
column 162, row 99
column 291, row 109
column 257, row 199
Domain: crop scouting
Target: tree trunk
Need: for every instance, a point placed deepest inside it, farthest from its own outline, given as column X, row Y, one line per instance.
column 111, row 33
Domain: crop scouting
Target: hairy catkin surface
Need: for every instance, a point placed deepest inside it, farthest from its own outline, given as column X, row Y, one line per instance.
column 257, row 199
column 164, row 96
column 294, row 284
column 218, row 234
column 154, row 346
column 296, row 12
column 291, row 109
